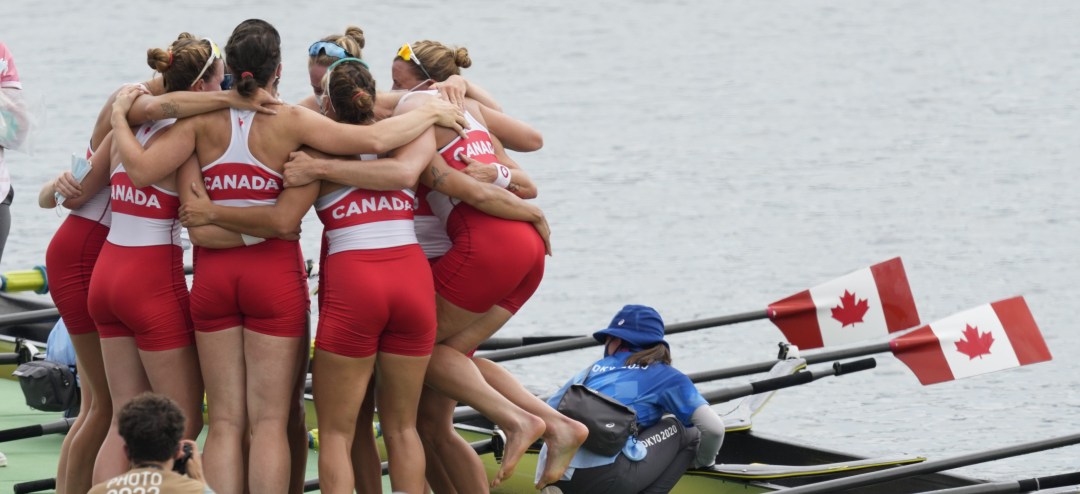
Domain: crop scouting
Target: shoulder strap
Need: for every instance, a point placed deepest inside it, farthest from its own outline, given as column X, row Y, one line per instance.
column 586, row 377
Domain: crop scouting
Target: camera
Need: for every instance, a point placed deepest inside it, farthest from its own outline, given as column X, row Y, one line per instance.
column 180, row 465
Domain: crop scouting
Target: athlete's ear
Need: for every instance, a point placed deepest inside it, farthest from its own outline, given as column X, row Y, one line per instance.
column 278, row 74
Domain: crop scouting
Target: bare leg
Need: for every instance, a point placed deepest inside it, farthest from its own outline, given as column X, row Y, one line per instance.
column 271, row 366
column 340, row 384
column 95, row 415
column 127, row 379
column 175, row 373
column 297, row 429
column 400, row 380
column 366, row 464
column 455, row 375
column 62, row 465
column 222, row 361
column 461, row 469
column 562, row 434
column 438, row 480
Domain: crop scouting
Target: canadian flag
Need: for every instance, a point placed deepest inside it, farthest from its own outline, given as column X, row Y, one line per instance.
column 985, row 339
column 868, row 303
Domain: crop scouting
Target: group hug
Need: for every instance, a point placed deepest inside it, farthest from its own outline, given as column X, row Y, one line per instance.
column 429, row 246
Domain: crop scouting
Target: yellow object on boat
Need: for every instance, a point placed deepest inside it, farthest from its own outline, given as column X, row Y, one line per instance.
column 26, row 280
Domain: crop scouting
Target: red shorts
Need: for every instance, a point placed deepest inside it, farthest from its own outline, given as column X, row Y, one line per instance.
column 69, row 261
column 262, row 287
column 493, row 262
column 141, row 292
column 378, row 300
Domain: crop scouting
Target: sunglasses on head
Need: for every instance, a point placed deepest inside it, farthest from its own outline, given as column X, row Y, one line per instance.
column 328, row 48
column 215, row 54
column 407, row 54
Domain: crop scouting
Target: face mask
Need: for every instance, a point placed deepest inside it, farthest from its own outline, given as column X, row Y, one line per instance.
column 423, row 82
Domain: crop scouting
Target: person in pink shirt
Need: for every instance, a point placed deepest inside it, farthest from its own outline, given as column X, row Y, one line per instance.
column 13, row 131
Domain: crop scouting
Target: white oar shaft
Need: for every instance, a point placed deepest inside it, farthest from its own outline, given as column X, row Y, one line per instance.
column 935, row 466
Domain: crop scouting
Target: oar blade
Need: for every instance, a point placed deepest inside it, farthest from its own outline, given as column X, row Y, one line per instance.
column 987, row 338
column 868, row 303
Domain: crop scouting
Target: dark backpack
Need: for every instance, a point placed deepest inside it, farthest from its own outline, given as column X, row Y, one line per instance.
column 48, row 386
column 610, row 422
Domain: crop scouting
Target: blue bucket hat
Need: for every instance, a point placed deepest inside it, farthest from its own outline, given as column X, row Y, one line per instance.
column 638, row 325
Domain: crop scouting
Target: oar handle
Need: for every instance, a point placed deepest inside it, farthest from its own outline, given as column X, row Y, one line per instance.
column 1014, row 486
column 588, row 341
column 36, row 430
column 35, row 486
column 856, row 366
column 1049, row 482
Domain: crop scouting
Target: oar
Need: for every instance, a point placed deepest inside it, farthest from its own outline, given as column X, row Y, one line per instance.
column 935, row 466
column 741, row 390
column 738, row 391
column 867, row 303
column 30, row 316
column 1025, row 485
column 502, row 342
column 588, row 341
column 58, row 427
column 35, row 486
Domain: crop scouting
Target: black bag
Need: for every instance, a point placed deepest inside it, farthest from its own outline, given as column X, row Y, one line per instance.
column 48, row 386
column 610, row 422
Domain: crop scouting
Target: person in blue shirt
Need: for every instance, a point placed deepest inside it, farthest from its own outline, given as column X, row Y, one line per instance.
column 677, row 427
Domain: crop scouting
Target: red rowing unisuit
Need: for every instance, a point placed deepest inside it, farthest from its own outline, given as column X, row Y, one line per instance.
column 71, row 256
column 138, row 287
column 493, row 261
column 376, row 293
column 262, row 287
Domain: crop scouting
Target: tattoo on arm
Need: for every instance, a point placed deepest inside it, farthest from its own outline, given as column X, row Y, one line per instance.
column 170, row 110
column 437, row 178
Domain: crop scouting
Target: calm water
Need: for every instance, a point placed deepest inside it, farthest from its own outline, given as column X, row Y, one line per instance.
column 709, row 158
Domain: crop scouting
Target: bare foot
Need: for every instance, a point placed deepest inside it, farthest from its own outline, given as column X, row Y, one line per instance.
column 518, row 440
column 563, row 440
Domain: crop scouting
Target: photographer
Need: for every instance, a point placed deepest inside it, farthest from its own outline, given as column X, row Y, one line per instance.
column 151, row 425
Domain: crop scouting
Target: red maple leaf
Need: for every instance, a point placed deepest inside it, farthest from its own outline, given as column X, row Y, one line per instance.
column 975, row 344
column 850, row 310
